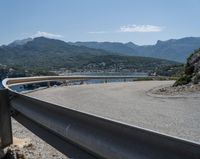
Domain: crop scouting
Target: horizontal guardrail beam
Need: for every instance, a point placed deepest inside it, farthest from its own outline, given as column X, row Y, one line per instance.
column 28, row 80
column 85, row 136
column 97, row 137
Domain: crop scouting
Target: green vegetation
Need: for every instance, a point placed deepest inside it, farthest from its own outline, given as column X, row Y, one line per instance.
column 40, row 72
column 170, row 71
column 6, row 71
column 42, row 55
column 173, row 49
column 159, row 78
column 120, row 63
column 184, row 79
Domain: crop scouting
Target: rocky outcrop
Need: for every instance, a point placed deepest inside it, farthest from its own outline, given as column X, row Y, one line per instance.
column 192, row 70
column 193, row 67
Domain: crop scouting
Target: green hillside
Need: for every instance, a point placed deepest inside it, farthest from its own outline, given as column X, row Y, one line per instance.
column 173, row 49
column 53, row 54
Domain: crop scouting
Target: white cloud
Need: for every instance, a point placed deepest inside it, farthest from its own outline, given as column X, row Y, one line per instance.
column 132, row 28
column 140, row 28
column 97, row 32
column 46, row 34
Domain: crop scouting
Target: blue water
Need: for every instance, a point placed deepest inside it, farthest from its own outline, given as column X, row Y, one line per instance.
column 21, row 88
column 93, row 81
column 29, row 87
column 136, row 74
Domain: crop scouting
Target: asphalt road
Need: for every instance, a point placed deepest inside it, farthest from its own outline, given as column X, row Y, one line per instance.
column 128, row 102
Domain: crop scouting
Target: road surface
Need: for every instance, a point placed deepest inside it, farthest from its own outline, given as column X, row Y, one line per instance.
column 128, row 102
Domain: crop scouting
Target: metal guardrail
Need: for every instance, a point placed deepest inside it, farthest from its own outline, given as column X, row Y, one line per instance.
column 5, row 120
column 8, row 82
column 85, row 136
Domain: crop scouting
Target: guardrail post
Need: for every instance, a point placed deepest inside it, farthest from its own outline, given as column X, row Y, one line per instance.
column 5, row 120
column 48, row 84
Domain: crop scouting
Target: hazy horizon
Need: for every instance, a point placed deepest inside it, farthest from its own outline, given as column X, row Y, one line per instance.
column 98, row 41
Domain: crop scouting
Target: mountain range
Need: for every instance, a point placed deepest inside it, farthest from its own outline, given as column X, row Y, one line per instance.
column 173, row 49
column 52, row 54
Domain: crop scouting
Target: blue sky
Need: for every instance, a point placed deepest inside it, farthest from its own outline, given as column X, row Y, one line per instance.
column 139, row 21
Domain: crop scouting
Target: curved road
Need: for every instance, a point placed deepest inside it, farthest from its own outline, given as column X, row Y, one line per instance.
column 128, row 102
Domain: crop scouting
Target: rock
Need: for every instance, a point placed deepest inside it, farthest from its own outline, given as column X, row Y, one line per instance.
column 162, row 90
column 193, row 64
column 192, row 70
column 9, row 154
column 196, row 78
column 20, row 156
column 188, row 89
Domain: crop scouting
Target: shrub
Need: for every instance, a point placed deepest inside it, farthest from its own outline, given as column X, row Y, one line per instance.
column 185, row 79
column 189, row 69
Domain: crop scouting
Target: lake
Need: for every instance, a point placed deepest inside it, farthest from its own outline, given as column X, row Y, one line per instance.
column 137, row 74
column 21, row 88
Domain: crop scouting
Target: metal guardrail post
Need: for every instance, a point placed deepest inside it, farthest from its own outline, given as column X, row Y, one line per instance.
column 5, row 120
column 49, row 84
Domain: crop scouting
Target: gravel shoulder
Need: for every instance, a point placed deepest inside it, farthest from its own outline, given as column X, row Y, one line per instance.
column 185, row 91
column 27, row 145
column 128, row 102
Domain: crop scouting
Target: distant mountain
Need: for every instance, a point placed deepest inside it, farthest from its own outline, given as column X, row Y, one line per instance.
column 20, row 42
column 114, row 47
column 52, row 54
column 174, row 49
column 42, row 52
